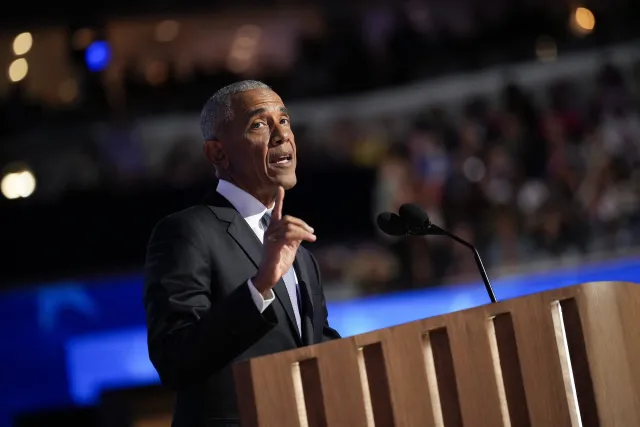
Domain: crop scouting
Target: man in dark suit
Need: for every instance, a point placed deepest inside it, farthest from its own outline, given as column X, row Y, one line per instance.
column 228, row 280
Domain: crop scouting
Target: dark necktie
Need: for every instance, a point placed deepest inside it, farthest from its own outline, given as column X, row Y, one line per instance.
column 265, row 221
column 289, row 278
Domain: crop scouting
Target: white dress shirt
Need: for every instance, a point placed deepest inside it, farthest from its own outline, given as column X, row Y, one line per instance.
column 252, row 211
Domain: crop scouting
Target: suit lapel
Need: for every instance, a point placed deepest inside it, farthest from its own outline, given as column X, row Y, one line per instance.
column 240, row 231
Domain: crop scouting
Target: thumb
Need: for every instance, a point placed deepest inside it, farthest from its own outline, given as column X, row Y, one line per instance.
column 277, row 209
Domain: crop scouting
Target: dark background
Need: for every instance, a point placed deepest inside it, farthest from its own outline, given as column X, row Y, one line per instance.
column 513, row 123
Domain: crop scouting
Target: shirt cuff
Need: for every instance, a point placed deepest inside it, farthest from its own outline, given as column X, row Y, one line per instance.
column 261, row 302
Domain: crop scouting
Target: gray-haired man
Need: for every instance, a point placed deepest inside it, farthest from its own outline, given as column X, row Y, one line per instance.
column 228, row 280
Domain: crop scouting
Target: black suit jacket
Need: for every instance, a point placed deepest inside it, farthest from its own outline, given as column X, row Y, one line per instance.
column 200, row 314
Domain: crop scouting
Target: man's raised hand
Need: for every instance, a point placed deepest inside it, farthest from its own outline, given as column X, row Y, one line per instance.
column 281, row 241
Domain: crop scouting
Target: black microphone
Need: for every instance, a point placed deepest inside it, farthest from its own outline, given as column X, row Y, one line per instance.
column 414, row 221
column 392, row 224
column 418, row 223
column 415, row 218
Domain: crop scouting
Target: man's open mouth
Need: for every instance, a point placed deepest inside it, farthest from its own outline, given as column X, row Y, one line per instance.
column 280, row 159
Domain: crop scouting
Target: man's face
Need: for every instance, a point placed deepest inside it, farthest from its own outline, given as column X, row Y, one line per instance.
column 259, row 144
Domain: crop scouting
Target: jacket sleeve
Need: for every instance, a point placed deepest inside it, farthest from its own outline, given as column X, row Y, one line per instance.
column 191, row 333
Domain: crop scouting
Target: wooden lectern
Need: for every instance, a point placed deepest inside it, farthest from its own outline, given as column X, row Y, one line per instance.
column 566, row 357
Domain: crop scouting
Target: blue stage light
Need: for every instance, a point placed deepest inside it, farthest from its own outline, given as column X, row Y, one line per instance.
column 97, row 56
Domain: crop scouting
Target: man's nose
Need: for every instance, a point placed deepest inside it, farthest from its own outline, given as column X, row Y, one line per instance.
column 279, row 135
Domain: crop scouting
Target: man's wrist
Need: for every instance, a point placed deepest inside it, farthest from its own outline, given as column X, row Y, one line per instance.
column 261, row 286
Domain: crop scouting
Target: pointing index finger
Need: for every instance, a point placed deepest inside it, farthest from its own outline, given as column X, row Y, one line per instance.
column 277, row 209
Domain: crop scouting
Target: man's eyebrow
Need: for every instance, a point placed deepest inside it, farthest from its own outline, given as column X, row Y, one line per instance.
column 259, row 111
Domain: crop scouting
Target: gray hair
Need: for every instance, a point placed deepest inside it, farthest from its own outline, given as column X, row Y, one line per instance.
column 217, row 110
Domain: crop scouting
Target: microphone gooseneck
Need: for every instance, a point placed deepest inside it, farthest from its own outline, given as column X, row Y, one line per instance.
column 416, row 222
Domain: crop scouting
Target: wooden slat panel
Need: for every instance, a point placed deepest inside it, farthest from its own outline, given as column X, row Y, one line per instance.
column 579, row 363
column 341, row 383
column 313, row 415
column 266, row 393
column 408, row 379
column 405, row 370
column 508, row 361
column 628, row 306
column 446, row 377
column 540, row 362
column 608, row 310
column 477, row 387
column 378, row 384
column 565, row 363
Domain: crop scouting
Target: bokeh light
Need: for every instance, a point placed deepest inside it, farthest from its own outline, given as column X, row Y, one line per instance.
column 22, row 43
column 18, row 70
column 98, row 55
column 583, row 21
column 167, row 31
column 17, row 185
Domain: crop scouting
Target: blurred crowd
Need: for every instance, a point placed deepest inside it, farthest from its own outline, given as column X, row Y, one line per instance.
column 531, row 176
column 528, row 179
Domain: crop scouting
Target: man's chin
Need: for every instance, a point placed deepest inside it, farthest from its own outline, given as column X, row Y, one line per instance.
column 287, row 181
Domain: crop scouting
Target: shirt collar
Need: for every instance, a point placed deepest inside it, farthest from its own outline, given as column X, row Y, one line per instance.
column 246, row 205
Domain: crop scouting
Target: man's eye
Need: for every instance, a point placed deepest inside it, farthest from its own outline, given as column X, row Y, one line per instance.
column 284, row 121
column 257, row 125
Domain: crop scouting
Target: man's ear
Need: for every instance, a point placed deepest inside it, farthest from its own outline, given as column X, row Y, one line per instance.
column 214, row 151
